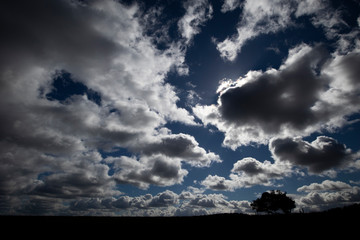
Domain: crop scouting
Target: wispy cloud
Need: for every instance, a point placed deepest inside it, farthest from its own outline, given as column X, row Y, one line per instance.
column 271, row 16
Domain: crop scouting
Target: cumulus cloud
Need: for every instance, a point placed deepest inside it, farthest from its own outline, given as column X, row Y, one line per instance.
column 90, row 180
column 200, row 204
column 328, row 194
column 165, row 203
column 157, row 170
column 249, row 172
column 36, row 173
column 321, row 155
column 160, row 204
column 217, row 183
column 181, row 146
column 252, row 167
column 161, row 160
column 326, row 185
column 274, row 100
column 310, row 91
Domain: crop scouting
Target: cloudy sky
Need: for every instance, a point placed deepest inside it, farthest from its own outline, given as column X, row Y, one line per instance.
column 177, row 107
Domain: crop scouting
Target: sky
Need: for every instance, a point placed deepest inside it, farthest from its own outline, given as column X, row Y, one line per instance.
column 174, row 108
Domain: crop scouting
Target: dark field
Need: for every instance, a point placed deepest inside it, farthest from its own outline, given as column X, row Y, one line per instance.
column 342, row 222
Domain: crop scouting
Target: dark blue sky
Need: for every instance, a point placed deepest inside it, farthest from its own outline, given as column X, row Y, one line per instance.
column 178, row 107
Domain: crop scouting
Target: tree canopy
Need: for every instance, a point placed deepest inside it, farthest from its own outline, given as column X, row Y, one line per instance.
column 273, row 201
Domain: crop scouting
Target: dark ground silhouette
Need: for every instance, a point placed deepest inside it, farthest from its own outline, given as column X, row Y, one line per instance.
column 335, row 222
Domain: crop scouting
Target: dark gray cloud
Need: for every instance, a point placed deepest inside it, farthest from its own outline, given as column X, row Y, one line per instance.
column 58, row 129
column 173, row 146
column 320, row 155
column 12, row 161
column 181, row 146
column 55, row 30
column 250, row 166
column 90, row 180
column 218, row 183
column 164, row 199
column 311, row 91
column 41, row 183
column 122, row 202
column 157, row 170
column 166, row 203
column 277, row 99
column 143, row 202
column 350, row 65
column 38, row 206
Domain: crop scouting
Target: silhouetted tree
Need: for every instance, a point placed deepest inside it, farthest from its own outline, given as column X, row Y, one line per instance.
column 273, row 201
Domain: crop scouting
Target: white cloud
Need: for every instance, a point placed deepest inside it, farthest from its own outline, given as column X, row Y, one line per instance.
column 271, row 16
column 192, row 98
column 249, row 172
column 197, row 13
column 230, row 5
column 328, row 194
column 307, row 7
column 258, row 17
column 322, row 15
column 326, row 185
column 217, row 183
